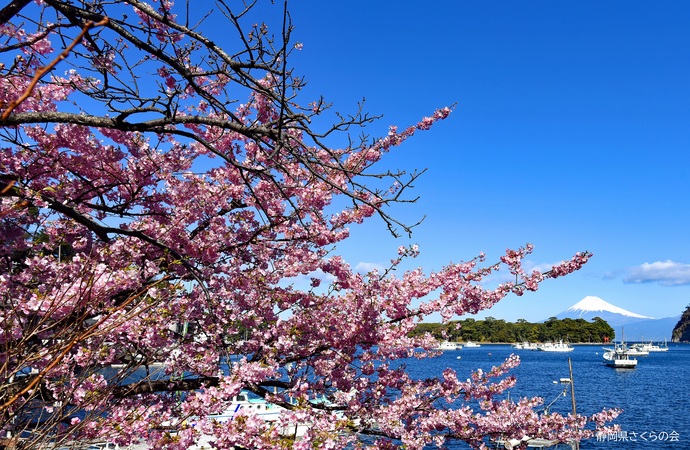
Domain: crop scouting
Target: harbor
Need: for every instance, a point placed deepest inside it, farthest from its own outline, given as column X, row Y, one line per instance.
column 653, row 396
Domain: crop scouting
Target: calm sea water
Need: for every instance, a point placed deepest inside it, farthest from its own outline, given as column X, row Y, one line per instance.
column 655, row 396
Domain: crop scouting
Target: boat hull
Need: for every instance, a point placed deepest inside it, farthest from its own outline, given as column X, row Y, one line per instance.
column 619, row 358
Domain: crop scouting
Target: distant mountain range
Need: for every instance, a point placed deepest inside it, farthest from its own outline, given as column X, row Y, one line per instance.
column 635, row 326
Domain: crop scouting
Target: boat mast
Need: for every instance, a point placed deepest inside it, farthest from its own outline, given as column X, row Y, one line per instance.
column 572, row 395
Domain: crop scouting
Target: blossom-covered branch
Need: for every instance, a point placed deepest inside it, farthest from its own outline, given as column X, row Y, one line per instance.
column 161, row 189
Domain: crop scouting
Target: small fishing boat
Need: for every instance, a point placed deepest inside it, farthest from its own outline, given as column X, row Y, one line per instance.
column 651, row 347
column 525, row 345
column 619, row 358
column 559, row 346
column 447, row 345
column 258, row 406
column 634, row 350
column 243, row 404
column 528, row 442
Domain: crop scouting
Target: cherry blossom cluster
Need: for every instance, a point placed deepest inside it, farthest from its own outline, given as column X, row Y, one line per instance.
column 152, row 237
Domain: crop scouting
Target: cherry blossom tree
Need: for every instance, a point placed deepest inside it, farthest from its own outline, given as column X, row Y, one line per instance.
column 160, row 190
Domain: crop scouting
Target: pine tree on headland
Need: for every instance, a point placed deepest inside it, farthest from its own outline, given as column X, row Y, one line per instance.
column 681, row 332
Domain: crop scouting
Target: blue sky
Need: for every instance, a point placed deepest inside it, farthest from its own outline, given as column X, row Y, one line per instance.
column 571, row 131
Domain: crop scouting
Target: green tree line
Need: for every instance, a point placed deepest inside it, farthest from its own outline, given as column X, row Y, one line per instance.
column 498, row 330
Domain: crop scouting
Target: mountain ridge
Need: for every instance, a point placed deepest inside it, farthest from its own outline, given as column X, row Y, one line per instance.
column 592, row 304
column 638, row 327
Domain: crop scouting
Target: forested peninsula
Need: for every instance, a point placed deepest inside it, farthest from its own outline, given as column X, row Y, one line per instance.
column 498, row 330
column 681, row 332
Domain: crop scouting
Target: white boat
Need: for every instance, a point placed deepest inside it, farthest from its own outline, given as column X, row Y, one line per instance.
column 258, row 406
column 651, row 347
column 619, row 358
column 447, row 345
column 262, row 409
column 658, row 347
column 470, row 344
column 242, row 404
column 634, row 350
column 525, row 345
column 559, row 346
column 622, row 355
column 528, row 442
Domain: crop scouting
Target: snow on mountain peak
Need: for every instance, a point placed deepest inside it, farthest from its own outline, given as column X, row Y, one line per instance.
column 592, row 303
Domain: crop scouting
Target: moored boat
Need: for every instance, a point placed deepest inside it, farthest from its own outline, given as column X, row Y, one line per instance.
column 559, row 346
column 526, row 345
column 243, row 404
column 528, row 442
column 634, row 350
column 651, row 347
column 619, row 358
column 448, row 345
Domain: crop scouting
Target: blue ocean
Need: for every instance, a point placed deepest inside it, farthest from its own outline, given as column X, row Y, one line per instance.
column 655, row 396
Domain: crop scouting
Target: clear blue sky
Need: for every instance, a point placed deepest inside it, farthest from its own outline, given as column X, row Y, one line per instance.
column 571, row 131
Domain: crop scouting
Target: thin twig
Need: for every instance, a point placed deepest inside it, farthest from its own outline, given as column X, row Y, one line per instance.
column 76, row 340
column 43, row 70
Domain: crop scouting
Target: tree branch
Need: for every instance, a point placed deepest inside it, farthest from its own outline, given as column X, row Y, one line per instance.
column 43, row 70
column 12, row 9
column 153, row 125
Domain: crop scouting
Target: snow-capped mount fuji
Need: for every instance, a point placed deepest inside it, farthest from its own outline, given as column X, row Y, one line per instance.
column 637, row 326
column 591, row 307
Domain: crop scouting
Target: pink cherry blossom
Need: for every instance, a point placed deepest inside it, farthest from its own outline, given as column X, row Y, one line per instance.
column 163, row 196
